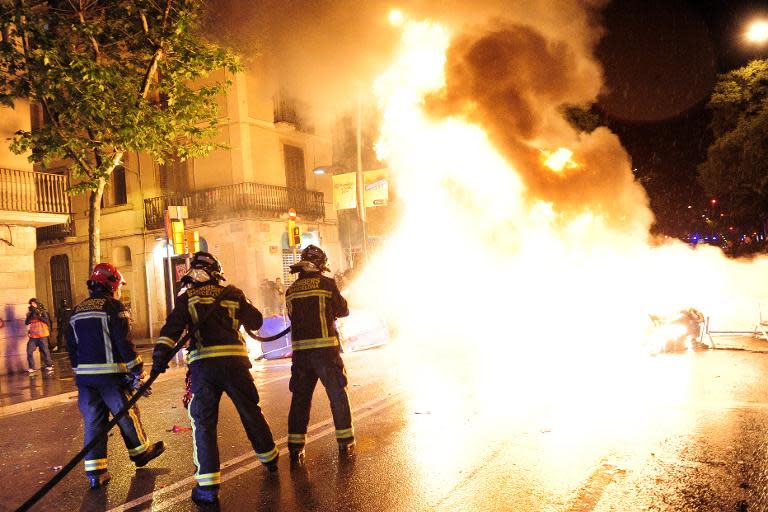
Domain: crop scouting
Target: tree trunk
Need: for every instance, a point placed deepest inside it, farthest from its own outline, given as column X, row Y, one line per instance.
column 94, row 225
column 94, row 214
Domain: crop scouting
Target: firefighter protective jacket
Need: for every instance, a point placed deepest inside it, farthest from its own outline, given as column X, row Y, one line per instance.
column 220, row 335
column 314, row 303
column 99, row 338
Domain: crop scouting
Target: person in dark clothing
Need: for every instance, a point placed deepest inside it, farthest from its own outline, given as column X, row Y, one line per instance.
column 62, row 321
column 39, row 323
column 314, row 303
column 107, row 367
column 218, row 363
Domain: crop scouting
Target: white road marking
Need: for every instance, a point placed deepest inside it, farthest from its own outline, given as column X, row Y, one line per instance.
column 323, row 428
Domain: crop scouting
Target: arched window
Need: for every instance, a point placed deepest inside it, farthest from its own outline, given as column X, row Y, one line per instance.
column 121, row 256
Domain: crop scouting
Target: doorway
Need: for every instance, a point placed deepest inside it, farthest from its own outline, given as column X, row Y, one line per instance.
column 60, row 283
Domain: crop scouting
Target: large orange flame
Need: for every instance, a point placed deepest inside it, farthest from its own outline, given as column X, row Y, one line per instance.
column 481, row 272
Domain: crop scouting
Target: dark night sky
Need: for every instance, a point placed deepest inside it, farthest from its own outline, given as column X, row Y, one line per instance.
column 661, row 59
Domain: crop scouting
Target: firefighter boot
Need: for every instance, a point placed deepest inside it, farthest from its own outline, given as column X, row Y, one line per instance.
column 272, row 465
column 152, row 452
column 347, row 448
column 297, row 457
column 96, row 481
column 205, row 494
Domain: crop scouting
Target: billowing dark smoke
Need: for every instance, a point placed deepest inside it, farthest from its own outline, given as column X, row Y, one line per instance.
column 512, row 67
column 515, row 81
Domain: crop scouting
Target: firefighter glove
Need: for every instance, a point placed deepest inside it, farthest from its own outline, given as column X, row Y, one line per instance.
column 159, row 361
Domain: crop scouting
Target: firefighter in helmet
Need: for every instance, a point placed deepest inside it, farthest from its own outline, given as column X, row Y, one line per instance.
column 107, row 367
column 314, row 303
column 218, row 363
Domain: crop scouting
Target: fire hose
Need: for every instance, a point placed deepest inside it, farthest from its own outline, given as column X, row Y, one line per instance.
column 269, row 338
column 139, row 392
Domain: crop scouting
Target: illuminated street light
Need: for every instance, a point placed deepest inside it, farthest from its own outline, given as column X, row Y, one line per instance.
column 757, row 32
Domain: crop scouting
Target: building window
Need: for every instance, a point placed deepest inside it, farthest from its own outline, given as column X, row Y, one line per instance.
column 38, row 116
column 115, row 193
column 287, row 109
column 295, row 177
column 174, row 176
column 289, row 258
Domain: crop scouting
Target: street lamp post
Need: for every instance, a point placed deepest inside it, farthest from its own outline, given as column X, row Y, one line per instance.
column 359, row 181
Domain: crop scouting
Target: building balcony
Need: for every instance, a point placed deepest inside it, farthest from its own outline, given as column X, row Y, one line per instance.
column 57, row 232
column 241, row 200
column 31, row 198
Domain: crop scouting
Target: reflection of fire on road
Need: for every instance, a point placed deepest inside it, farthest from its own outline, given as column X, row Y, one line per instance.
column 530, row 275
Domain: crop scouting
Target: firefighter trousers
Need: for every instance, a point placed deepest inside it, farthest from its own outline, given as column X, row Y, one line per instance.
column 327, row 366
column 210, row 378
column 98, row 396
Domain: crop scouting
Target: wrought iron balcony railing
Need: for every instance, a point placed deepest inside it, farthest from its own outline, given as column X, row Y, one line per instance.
column 236, row 201
column 33, row 192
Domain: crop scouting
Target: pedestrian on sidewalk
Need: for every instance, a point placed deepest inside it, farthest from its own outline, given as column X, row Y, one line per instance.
column 39, row 323
column 278, row 297
column 218, row 363
column 107, row 368
column 62, row 321
column 314, row 303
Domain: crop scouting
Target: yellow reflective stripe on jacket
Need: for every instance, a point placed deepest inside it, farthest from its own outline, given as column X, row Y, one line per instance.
column 201, row 300
column 331, row 341
column 164, row 340
column 96, row 369
column 193, row 313
column 310, row 293
column 232, row 307
column 218, row 351
column 133, row 364
column 323, row 320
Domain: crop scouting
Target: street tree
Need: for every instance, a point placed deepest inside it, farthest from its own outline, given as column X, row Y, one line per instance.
column 111, row 76
column 736, row 168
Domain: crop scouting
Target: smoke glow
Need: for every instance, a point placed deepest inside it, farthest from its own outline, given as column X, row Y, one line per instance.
column 531, row 284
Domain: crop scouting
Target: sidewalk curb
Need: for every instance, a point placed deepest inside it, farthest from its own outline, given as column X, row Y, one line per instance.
column 64, row 398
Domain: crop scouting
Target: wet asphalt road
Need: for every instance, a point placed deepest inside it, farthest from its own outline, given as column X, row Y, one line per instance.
column 695, row 439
